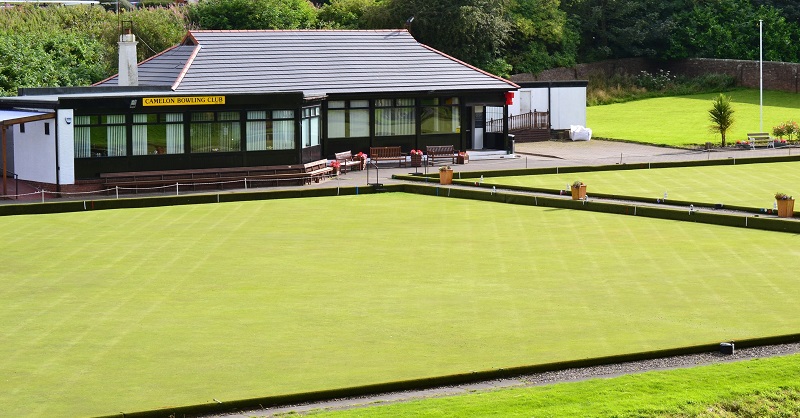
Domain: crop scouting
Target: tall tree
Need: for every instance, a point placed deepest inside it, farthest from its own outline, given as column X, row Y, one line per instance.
column 623, row 28
column 729, row 29
column 474, row 31
column 253, row 14
column 541, row 37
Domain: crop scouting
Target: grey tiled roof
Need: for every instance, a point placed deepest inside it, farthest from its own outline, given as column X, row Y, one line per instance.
column 315, row 62
column 160, row 70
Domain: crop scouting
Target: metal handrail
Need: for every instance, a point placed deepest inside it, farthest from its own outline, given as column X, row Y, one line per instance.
column 531, row 120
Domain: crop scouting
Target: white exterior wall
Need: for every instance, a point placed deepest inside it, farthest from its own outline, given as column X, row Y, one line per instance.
column 35, row 152
column 569, row 107
column 66, row 147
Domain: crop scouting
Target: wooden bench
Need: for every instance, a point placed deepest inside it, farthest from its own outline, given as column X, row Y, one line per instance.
column 759, row 138
column 273, row 176
column 347, row 160
column 377, row 154
column 440, row 151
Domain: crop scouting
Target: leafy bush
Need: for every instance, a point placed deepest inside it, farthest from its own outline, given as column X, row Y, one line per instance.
column 621, row 88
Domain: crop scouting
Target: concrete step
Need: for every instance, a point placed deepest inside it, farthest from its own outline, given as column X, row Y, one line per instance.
column 489, row 155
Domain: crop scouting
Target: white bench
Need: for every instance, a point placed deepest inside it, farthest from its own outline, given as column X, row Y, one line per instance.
column 757, row 138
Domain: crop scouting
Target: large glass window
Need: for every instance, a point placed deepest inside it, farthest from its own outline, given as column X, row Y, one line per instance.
column 215, row 132
column 310, row 126
column 158, row 134
column 440, row 116
column 394, row 117
column 348, row 119
column 270, row 130
column 100, row 136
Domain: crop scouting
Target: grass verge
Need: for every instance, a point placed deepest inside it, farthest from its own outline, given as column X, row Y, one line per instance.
column 683, row 120
column 755, row 388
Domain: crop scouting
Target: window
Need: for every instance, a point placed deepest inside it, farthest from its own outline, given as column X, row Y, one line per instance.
column 348, row 119
column 270, row 130
column 47, row 128
column 394, row 117
column 440, row 116
column 215, row 132
column 310, row 126
column 100, row 136
column 158, row 134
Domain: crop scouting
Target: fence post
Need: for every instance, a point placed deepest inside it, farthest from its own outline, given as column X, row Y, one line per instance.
column 117, row 190
column 176, row 189
column 245, row 183
column 42, row 195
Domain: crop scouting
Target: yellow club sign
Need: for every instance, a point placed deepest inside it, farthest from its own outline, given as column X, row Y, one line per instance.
column 183, row 101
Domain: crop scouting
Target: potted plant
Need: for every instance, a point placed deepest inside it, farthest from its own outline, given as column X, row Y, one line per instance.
column 416, row 158
column 785, row 205
column 363, row 158
column 336, row 166
column 445, row 175
column 578, row 190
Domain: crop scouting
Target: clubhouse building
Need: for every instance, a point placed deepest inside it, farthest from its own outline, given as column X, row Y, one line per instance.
column 238, row 99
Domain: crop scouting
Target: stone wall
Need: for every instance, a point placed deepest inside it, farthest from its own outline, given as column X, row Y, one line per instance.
column 783, row 76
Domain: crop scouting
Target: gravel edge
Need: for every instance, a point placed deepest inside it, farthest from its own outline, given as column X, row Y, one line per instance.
column 537, row 379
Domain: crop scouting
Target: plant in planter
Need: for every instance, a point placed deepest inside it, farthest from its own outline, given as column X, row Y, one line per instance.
column 445, row 175
column 363, row 158
column 785, row 205
column 578, row 190
column 416, row 158
column 336, row 166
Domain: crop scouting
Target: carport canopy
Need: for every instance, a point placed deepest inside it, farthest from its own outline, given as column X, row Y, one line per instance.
column 16, row 117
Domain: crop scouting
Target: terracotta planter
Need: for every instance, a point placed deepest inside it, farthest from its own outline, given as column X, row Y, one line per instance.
column 579, row 193
column 445, row 176
column 785, row 208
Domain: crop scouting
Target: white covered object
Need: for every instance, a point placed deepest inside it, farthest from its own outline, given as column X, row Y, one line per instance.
column 579, row 133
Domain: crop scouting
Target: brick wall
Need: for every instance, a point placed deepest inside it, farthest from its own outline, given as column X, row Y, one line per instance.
column 784, row 76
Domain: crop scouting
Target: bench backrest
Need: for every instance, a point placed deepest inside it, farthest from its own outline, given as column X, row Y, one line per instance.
column 345, row 155
column 758, row 135
column 440, row 149
column 385, row 152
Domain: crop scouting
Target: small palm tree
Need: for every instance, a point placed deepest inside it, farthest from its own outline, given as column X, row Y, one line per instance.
column 721, row 115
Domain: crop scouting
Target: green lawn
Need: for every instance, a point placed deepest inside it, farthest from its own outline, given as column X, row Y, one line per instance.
column 762, row 388
column 752, row 185
column 135, row 309
column 683, row 120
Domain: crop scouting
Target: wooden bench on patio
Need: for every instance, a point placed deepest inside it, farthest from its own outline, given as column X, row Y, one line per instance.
column 347, row 160
column 377, row 154
column 760, row 138
column 220, row 177
column 440, row 151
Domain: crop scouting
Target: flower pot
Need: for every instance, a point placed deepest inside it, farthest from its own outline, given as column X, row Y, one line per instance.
column 785, row 208
column 445, row 176
column 416, row 160
column 579, row 193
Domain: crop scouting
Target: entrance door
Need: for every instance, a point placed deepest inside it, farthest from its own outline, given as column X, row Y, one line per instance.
column 479, row 122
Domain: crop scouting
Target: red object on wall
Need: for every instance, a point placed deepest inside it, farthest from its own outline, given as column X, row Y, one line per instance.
column 509, row 98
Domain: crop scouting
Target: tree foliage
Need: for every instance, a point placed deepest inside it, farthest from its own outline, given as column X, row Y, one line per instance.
column 253, row 14
column 351, row 14
column 541, row 37
column 474, row 31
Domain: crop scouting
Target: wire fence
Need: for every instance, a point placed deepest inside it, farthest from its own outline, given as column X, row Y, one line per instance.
column 178, row 188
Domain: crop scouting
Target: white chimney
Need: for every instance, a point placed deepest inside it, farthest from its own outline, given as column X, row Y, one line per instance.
column 128, row 71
